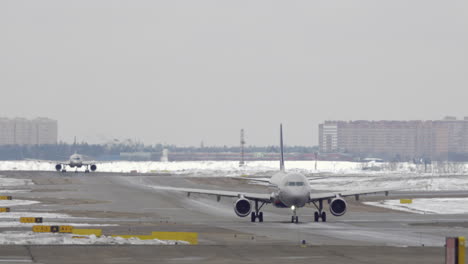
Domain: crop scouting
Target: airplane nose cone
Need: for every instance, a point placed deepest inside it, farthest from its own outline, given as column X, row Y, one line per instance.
column 294, row 197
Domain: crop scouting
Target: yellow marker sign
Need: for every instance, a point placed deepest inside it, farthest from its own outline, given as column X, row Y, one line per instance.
column 87, row 232
column 30, row 220
column 461, row 250
column 406, row 201
column 5, row 197
column 190, row 237
column 4, row 210
column 65, row 229
column 53, row 229
column 41, row 229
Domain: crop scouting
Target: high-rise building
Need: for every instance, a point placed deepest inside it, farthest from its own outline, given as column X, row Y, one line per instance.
column 436, row 140
column 20, row 131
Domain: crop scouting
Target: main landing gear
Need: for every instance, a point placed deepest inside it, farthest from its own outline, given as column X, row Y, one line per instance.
column 257, row 213
column 294, row 217
column 320, row 214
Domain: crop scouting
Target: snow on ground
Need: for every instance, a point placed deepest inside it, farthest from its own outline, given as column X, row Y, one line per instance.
column 427, row 205
column 30, row 238
column 18, row 224
column 13, row 215
column 411, row 182
column 7, row 182
column 9, row 203
column 231, row 168
column 14, row 191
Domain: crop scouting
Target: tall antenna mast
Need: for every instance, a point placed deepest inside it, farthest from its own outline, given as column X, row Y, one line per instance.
column 242, row 143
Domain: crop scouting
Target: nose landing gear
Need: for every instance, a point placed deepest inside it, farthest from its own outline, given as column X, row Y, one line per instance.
column 294, row 217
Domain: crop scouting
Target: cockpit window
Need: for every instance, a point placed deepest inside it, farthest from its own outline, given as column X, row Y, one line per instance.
column 295, row 184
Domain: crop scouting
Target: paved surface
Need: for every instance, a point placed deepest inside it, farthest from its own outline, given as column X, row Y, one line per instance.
column 365, row 234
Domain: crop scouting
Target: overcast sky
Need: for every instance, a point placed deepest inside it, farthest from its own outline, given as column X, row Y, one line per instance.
column 181, row 72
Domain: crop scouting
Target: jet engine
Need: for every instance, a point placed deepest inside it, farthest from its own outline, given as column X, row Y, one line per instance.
column 242, row 207
column 58, row 167
column 338, row 207
column 93, row 167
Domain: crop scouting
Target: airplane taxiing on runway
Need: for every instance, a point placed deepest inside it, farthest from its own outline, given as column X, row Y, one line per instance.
column 292, row 190
column 76, row 161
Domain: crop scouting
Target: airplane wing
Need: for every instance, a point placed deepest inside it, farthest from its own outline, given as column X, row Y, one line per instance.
column 329, row 195
column 251, row 196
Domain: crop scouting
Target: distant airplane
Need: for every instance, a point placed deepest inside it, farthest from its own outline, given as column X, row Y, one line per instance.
column 292, row 190
column 75, row 161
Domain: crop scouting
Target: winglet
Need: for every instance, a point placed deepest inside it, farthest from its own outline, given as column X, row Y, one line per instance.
column 281, row 148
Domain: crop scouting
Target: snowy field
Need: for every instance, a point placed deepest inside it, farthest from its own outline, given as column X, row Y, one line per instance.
column 427, row 206
column 230, row 168
column 28, row 238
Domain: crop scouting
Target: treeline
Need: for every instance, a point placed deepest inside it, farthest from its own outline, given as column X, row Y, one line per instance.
column 62, row 151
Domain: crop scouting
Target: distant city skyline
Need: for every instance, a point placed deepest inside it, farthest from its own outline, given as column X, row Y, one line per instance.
column 184, row 72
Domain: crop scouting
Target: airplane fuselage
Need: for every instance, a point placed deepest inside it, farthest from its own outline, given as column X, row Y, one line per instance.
column 76, row 161
column 293, row 189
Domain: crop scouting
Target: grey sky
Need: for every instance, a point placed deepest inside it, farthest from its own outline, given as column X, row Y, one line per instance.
column 185, row 71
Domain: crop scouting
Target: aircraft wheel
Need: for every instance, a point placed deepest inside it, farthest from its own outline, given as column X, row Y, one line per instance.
column 316, row 217
column 64, row 170
column 260, row 217
column 324, row 217
column 297, row 219
column 86, row 171
column 253, row 217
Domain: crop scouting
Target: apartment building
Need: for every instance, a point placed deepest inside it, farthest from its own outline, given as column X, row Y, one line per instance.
column 21, row 131
column 415, row 139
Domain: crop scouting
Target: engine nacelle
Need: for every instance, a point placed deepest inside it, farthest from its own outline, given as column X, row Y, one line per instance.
column 93, row 167
column 338, row 207
column 58, row 167
column 242, row 207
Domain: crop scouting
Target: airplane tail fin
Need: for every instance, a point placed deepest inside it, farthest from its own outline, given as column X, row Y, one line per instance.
column 74, row 145
column 281, row 148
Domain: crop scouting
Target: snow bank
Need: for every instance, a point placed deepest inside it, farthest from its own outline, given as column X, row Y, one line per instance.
column 230, row 168
column 9, row 203
column 427, row 206
column 7, row 182
column 30, row 238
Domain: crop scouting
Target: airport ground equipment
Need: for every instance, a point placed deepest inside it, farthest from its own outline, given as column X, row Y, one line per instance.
column 4, row 210
column 455, row 250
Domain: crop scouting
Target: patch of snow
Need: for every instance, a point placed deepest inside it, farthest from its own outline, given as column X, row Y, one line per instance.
column 18, row 224
column 9, row 203
column 427, row 205
column 5, row 181
column 14, row 191
column 13, row 215
column 31, row 238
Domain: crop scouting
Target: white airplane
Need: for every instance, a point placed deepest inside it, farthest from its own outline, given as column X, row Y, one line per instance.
column 76, row 161
column 292, row 190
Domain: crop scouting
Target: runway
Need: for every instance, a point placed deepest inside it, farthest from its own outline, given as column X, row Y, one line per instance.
column 128, row 202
